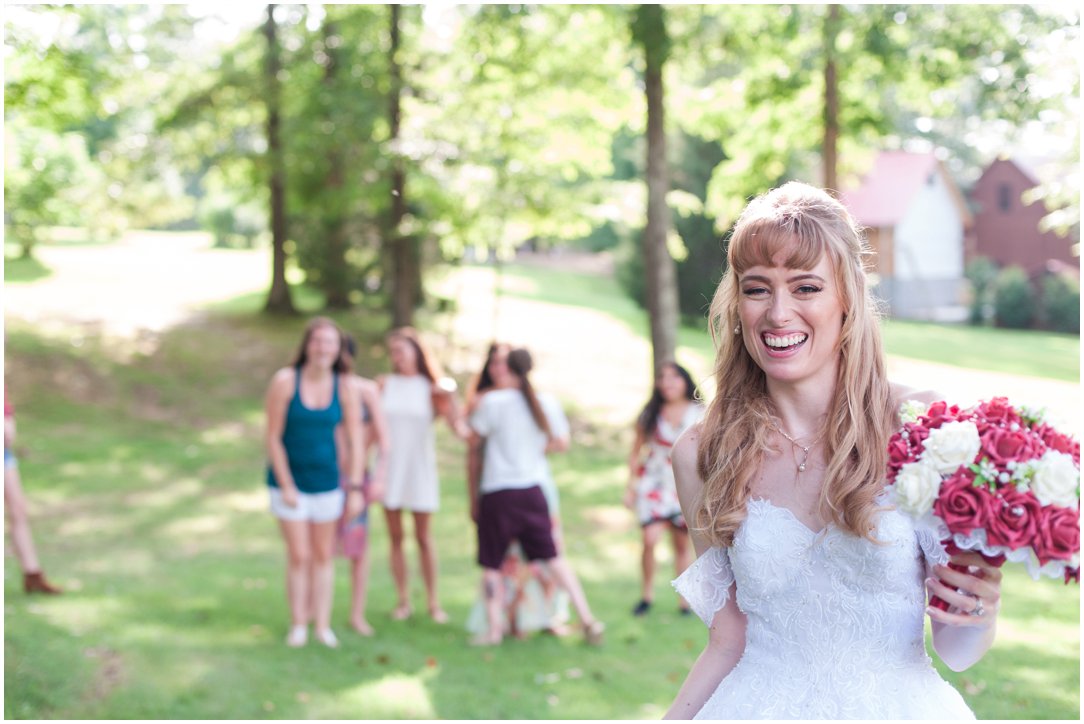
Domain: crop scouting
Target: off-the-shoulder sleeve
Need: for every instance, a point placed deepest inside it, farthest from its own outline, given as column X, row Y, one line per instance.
column 933, row 550
column 706, row 583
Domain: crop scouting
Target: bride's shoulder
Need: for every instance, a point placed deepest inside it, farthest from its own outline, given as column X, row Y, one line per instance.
column 904, row 393
column 683, row 454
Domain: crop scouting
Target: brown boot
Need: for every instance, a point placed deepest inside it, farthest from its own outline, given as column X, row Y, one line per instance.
column 37, row 583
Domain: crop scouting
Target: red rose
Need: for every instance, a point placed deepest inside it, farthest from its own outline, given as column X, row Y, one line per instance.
column 998, row 410
column 939, row 413
column 1059, row 534
column 1014, row 519
column 899, row 454
column 1056, row 441
column 961, row 505
column 1002, row 444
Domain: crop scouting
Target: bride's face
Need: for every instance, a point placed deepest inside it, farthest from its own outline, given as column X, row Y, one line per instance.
column 792, row 320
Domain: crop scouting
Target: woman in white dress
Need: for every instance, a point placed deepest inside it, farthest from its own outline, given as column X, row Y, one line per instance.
column 814, row 591
column 670, row 411
column 412, row 396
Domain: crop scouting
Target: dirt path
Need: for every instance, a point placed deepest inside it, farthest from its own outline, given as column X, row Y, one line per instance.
column 150, row 281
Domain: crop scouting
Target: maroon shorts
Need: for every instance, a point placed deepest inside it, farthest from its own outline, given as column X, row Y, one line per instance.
column 517, row 514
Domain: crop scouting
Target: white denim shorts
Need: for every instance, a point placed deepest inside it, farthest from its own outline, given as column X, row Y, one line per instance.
column 315, row 507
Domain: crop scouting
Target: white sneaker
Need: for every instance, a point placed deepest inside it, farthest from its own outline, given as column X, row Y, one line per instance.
column 327, row 638
column 298, row 636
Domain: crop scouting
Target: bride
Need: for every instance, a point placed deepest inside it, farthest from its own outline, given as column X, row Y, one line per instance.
column 813, row 591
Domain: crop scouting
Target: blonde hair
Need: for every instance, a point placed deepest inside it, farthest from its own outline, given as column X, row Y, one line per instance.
column 809, row 224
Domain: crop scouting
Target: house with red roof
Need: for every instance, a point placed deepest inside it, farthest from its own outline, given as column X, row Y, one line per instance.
column 918, row 223
column 1007, row 228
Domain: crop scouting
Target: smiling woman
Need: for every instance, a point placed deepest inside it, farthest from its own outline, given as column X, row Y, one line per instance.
column 784, row 481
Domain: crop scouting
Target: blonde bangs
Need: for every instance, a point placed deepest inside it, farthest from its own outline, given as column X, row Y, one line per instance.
column 762, row 240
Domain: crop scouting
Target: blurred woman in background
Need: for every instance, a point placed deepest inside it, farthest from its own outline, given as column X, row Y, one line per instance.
column 305, row 403
column 651, row 493
column 413, row 395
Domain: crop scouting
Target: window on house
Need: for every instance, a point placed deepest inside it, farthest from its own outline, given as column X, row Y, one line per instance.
column 1004, row 197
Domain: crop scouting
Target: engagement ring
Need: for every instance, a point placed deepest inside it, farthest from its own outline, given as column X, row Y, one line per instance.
column 979, row 609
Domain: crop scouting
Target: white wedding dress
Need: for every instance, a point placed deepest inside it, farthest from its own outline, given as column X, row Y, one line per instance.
column 835, row 622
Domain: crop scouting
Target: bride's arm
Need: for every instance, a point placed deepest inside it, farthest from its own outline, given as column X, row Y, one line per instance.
column 726, row 634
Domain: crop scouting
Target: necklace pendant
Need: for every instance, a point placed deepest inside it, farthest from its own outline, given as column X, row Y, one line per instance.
column 801, row 468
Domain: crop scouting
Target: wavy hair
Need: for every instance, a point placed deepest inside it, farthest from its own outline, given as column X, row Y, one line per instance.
column 807, row 224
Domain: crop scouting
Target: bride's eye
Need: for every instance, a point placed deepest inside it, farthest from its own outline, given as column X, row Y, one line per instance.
column 754, row 291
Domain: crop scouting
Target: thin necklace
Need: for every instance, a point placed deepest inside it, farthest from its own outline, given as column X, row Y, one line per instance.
column 804, row 448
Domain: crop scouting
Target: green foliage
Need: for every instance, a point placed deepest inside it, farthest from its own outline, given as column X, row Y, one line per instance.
column 698, row 273
column 1014, row 299
column 1061, row 304
column 981, row 272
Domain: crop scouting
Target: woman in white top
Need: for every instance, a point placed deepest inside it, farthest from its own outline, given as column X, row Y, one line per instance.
column 412, row 396
column 672, row 409
column 517, row 428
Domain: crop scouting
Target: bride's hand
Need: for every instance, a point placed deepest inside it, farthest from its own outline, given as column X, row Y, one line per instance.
column 974, row 596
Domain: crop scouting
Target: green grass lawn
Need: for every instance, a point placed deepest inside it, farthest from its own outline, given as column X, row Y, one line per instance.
column 144, row 472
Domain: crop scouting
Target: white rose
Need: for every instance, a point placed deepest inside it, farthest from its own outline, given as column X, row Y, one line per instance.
column 1057, row 480
column 951, row 445
column 916, row 486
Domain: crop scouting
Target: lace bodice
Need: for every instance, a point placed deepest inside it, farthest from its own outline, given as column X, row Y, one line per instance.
column 834, row 622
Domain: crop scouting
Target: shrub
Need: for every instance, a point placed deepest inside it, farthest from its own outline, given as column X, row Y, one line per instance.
column 1014, row 299
column 981, row 272
column 1061, row 304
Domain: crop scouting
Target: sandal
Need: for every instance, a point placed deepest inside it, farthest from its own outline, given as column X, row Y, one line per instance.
column 327, row 638
column 592, row 632
column 298, row 637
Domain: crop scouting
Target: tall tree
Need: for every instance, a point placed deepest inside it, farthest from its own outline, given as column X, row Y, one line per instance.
column 405, row 262
column 831, row 99
column 279, row 299
column 649, row 31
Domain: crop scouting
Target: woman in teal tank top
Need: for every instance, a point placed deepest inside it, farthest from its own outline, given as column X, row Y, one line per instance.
column 305, row 403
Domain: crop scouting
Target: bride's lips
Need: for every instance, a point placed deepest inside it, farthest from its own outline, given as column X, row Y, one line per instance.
column 783, row 344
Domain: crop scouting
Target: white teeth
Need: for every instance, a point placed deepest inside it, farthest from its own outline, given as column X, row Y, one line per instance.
column 788, row 341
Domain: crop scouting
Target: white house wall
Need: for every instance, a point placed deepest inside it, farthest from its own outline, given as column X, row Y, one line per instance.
column 929, row 240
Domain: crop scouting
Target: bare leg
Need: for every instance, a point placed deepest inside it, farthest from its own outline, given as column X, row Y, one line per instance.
column 323, row 576
column 298, row 565
column 398, row 563
column 651, row 534
column 359, row 583
column 493, row 595
column 683, row 554
column 566, row 579
column 21, row 539
column 427, row 553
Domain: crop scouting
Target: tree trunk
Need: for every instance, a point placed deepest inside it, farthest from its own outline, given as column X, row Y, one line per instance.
column 405, row 265
column 279, row 300
column 336, row 271
column 659, row 266
column 831, row 100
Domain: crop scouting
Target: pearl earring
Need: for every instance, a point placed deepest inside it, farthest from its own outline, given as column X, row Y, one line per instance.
column 737, row 330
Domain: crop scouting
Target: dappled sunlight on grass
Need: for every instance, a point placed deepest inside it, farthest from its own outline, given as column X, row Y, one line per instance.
column 245, row 501
column 395, row 696
column 78, row 614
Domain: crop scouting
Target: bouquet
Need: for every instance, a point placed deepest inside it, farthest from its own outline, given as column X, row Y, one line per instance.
column 993, row 478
